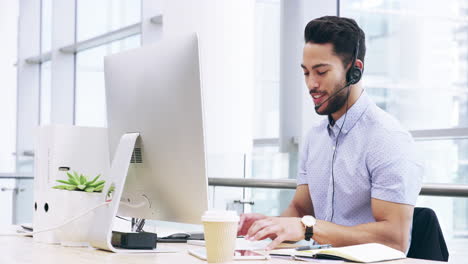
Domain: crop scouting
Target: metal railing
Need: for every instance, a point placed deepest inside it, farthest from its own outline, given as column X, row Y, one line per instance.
column 430, row 189
column 16, row 176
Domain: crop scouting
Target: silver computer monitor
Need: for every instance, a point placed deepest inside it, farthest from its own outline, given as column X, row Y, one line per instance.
column 155, row 90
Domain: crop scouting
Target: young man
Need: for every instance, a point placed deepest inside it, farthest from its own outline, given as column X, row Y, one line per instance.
column 358, row 175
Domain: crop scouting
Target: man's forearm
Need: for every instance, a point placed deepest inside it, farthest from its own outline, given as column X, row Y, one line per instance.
column 382, row 232
column 291, row 211
column 301, row 204
column 295, row 211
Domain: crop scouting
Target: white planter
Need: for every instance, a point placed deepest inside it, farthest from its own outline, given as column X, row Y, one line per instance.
column 71, row 204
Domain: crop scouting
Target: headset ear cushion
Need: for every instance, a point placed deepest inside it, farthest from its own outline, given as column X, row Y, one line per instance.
column 354, row 75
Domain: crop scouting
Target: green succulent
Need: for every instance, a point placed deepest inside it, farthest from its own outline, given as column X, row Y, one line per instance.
column 109, row 192
column 80, row 183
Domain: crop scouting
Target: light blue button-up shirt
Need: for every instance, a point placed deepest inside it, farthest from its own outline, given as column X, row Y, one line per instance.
column 375, row 158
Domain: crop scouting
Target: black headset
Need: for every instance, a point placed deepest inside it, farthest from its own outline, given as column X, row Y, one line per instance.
column 354, row 73
column 353, row 76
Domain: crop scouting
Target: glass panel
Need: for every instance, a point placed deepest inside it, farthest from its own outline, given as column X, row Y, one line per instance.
column 417, row 61
column 46, row 94
column 221, row 198
column 268, row 163
column 225, row 165
column 90, row 102
column 24, row 201
column 266, row 97
column 8, row 52
column 46, row 25
column 98, row 17
column 268, row 201
column 6, row 201
column 416, row 69
column 445, row 161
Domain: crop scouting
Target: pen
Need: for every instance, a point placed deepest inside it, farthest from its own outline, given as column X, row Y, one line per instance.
column 313, row 247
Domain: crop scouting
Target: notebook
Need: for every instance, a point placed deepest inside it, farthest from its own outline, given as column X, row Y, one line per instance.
column 243, row 244
column 372, row 252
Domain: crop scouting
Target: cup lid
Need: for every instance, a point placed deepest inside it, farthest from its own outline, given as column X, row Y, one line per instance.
column 220, row 216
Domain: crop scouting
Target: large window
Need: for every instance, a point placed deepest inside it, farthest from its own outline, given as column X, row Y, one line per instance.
column 266, row 162
column 8, row 53
column 95, row 18
column 416, row 63
column 266, row 94
column 417, row 70
column 106, row 16
column 90, row 107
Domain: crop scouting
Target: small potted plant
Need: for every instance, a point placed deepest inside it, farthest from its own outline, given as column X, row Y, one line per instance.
column 80, row 182
column 76, row 195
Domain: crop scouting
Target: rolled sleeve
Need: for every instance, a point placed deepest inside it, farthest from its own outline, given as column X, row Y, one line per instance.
column 396, row 175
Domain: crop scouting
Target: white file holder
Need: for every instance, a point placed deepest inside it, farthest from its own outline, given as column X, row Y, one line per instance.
column 60, row 149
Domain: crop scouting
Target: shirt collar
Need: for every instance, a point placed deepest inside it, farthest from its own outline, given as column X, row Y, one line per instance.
column 352, row 116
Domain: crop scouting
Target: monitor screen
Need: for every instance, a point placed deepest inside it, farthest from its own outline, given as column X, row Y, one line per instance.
column 155, row 90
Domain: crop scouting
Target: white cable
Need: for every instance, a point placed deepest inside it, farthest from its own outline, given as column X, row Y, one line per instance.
column 58, row 226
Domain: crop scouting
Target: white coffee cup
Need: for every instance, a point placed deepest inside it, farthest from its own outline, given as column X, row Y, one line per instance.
column 220, row 229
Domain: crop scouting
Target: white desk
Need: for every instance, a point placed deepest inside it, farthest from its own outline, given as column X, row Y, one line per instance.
column 23, row 250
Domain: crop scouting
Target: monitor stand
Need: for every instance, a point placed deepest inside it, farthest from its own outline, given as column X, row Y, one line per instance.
column 101, row 231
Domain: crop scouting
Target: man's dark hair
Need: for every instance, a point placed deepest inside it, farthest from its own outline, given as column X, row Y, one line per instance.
column 342, row 32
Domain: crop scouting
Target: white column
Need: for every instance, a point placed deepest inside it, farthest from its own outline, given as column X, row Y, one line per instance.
column 28, row 81
column 291, row 79
column 63, row 65
column 27, row 100
column 226, row 41
column 151, row 32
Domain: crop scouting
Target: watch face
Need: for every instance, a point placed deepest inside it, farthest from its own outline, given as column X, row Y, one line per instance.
column 308, row 220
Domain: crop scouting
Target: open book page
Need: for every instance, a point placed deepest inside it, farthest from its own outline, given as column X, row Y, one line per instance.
column 293, row 252
column 243, row 244
column 371, row 252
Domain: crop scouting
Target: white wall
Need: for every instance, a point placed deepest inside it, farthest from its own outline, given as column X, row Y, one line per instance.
column 226, row 31
column 8, row 52
column 312, row 9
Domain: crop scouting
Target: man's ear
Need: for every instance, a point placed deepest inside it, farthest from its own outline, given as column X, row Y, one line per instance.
column 359, row 64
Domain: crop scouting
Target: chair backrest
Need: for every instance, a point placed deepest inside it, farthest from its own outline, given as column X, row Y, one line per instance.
column 427, row 240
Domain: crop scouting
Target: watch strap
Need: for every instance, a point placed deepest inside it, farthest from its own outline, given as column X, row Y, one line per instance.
column 309, row 232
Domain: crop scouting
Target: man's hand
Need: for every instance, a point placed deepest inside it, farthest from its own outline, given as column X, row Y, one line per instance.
column 277, row 228
column 246, row 220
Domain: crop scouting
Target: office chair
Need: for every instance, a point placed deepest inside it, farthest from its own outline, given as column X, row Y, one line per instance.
column 427, row 240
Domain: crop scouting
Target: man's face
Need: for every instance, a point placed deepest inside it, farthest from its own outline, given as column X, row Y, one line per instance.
column 324, row 75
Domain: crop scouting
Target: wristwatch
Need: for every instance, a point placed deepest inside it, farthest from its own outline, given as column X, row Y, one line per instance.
column 308, row 221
